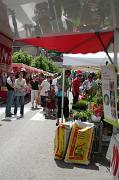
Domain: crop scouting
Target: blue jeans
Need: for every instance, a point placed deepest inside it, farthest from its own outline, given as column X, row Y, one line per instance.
column 19, row 100
column 10, row 98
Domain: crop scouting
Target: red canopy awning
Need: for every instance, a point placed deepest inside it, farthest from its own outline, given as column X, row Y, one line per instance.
column 73, row 43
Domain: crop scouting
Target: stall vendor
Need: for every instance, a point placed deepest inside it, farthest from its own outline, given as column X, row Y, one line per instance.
column 76, row 83
column 88, row 84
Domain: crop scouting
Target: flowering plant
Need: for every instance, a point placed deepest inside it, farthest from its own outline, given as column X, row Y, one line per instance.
column 98, row 111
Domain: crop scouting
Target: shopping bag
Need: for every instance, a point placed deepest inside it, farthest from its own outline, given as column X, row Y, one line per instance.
column 61, row 140
column 80, row 143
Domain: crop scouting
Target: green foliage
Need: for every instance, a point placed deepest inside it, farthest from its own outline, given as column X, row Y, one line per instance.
column 40, row 62
column 52, row 67
column 22, row 57
column 81, row 105
column 44, row 63
column 84, row 115
column 97, row 99
column 88, row 113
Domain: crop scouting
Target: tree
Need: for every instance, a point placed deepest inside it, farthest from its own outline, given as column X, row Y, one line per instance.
column 52, row 67
column 42, row 62
column 22, row 57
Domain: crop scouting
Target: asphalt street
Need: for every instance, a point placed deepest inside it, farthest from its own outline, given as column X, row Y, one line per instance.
column 26, row 152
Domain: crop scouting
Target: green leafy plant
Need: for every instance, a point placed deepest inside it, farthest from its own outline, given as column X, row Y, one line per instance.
column 81, row 105
column 97, row 99
column 83, row 115
column 22, row 57
column 89, row 113
column 42, row 62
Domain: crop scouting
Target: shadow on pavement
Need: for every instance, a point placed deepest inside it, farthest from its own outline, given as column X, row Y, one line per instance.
column 7, row 120
column 101, row 160
column 63, row 164
column 96, row 161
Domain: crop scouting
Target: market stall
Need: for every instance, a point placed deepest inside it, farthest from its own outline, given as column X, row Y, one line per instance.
column 88, row 42
column 109, row 88
column 6, row 42
column 92, row 60
column 97, row 40
column 100, row 18
column 17, row 67
column 5, row 62
column 28, row 71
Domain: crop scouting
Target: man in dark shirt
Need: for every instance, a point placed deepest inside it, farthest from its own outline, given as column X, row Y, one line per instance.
column 34, row 91
column 10, row 94
column 59, row 95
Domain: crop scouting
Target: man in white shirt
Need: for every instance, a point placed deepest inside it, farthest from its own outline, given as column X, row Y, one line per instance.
column 20, row 87
column 45, row 86
column 88, row 83
column 54, row 82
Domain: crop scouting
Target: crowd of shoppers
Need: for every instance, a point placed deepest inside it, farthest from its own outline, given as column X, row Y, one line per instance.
column 47, row 92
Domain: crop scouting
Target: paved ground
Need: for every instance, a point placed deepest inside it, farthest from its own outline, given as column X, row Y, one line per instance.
column 26, row 152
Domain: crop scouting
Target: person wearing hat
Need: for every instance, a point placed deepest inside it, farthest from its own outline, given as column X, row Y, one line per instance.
column 10, row 93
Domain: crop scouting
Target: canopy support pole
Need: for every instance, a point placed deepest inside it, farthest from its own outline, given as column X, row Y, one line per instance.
column 63, row 74
column 115, row 48
column 98, row 35
column 116, row 66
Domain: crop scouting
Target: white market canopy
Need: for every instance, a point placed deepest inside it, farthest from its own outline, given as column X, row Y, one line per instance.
column 97, row 59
